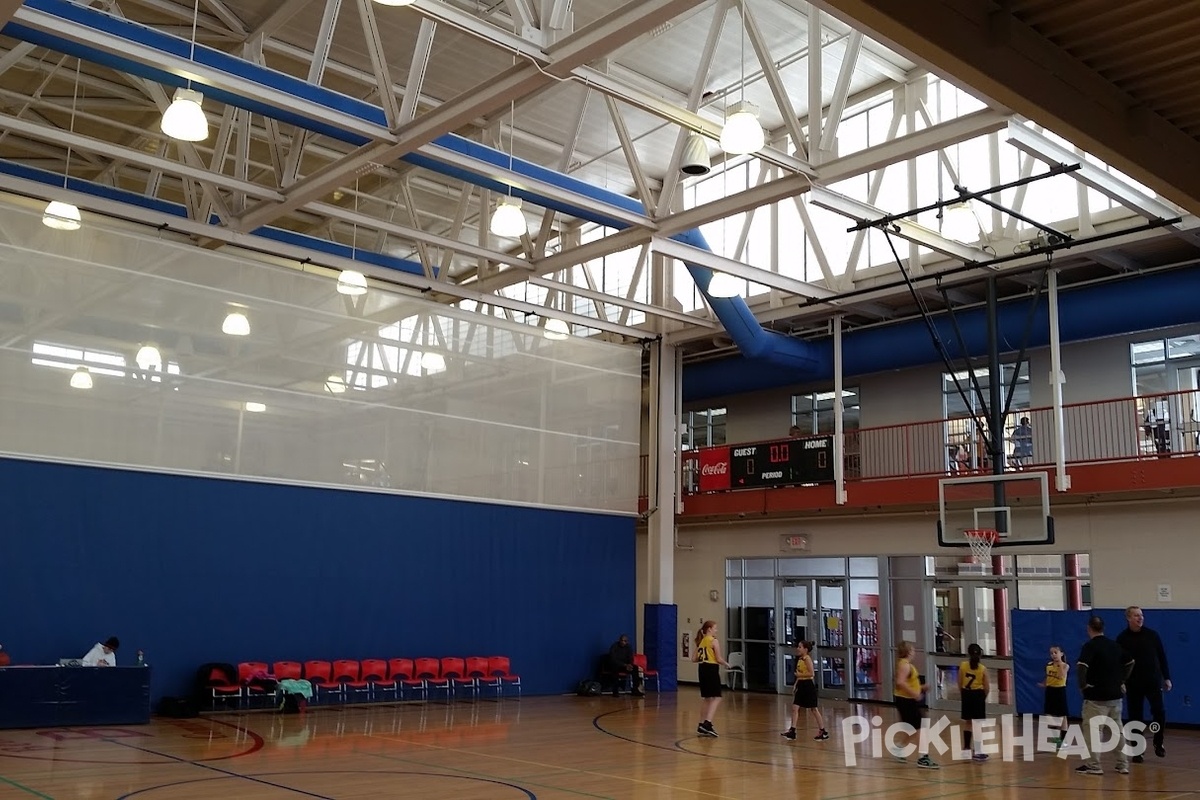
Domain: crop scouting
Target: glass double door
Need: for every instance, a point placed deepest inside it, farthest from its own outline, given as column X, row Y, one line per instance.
column 965, row 613
column 813, row 609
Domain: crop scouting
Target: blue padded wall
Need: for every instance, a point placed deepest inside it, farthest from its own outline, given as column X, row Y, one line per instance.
column 195, row 569
column 660, row 626
column 1035, row 631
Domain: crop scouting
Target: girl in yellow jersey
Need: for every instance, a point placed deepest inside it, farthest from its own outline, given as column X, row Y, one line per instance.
column 708, row 656
column 973, row 688
column 805, row 693
column 1056, row 690
column 908, row 691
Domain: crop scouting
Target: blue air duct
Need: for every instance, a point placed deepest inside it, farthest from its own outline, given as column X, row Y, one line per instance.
column 1144, row 302
column 773, row 349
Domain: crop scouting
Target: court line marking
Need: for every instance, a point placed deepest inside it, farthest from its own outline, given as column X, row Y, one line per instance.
column 523, row 779
column 892, row 771
column 25, row 788
column 136, row 792
column 608, row 775
column 256, row 745
column 218, row 770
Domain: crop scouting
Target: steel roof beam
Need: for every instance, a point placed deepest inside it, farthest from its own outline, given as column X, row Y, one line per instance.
column 1040, row 146
column 905, row 229
column 704, row 258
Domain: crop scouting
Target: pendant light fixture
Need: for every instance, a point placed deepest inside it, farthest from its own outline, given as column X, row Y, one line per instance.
column 508, row 220
column 742, row 134
column 236, row 324
column 959, row 223
column 695, row 159
column 59, row 214
column 81, row 378
column 149, row 358
column 352, row 282
column 557, row 329
column 184, row 119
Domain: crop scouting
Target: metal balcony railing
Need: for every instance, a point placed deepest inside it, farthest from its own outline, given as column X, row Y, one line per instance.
column 1122, row 429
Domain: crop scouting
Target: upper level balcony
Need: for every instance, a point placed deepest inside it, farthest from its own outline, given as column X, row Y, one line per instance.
column 1145, row 446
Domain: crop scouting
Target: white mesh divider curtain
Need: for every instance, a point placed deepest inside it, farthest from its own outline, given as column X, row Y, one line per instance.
column 386, row 391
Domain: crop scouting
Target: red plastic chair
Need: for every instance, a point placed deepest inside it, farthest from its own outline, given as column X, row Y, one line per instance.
column 288, row 670
column 430, row 671
column 348, row 674
column 477, row 672
column 639, row 660
column 501, row 670
column 320, row 675
column 454, row 672
column 223, row 686
column 245, row 671
column 404, row 672
column 375, row 673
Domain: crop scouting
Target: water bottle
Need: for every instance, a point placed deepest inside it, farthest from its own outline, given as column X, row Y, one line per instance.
column 141, row 659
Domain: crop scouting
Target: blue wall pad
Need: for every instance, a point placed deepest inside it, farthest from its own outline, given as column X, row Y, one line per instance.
column 195, row 569
column 1035, row 631
column 660, row 631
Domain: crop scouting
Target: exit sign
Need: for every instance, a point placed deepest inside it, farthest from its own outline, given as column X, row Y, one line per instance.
column 794, row 541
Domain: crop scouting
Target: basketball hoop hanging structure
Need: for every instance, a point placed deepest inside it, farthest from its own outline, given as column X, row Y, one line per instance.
column 981, row 541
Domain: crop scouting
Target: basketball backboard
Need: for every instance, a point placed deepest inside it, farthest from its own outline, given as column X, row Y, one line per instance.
column 1016, row 505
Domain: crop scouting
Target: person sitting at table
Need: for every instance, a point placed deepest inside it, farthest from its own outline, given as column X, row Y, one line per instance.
column 104, row 654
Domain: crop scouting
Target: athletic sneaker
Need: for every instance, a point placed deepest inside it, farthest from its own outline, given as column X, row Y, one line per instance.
column 1122, row 769
column 1088, row 769
column 790, row 733
column 706, row 729
column 925, row 762
column 822, row 736
column 897, row 754
column 979, row 757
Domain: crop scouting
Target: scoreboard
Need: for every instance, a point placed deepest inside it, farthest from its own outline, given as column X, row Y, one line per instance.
column 784, row 463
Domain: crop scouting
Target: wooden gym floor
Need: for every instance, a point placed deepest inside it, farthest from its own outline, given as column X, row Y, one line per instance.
column 544, row 747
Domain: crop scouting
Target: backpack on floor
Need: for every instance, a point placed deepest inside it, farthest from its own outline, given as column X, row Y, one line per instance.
column 588, row 689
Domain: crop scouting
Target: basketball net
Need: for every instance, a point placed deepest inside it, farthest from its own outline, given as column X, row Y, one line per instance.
column 981, row 541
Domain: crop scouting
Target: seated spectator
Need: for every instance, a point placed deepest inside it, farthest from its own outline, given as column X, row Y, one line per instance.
column 620, row 659
column 103, row 654
column 4, row 659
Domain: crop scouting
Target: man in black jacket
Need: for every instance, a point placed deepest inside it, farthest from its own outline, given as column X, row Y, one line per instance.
column 620, row 660
column 1102, row 669
column 1151, row 675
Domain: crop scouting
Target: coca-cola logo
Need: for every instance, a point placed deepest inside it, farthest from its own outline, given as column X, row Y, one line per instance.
column 719, row 468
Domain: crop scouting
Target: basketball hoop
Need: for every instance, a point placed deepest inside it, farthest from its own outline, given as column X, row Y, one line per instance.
column 981, row 541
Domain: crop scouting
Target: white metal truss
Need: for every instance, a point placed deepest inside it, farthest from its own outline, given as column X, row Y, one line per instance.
column 259, row 171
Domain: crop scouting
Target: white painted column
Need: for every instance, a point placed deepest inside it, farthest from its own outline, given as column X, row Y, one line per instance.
column 1062, row 481
column 839, row 431
column 665, row 399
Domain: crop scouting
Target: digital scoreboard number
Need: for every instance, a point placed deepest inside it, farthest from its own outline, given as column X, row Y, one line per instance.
column 783, row 463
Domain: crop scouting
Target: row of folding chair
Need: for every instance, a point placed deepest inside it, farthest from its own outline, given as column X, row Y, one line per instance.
column 371, row 679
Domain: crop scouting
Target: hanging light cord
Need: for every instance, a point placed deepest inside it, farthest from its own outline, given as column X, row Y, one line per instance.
column 742, row 40
column 71, row 128
column 192, row 51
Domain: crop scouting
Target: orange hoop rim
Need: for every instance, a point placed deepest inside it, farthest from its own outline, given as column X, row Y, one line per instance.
column 990, row 535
